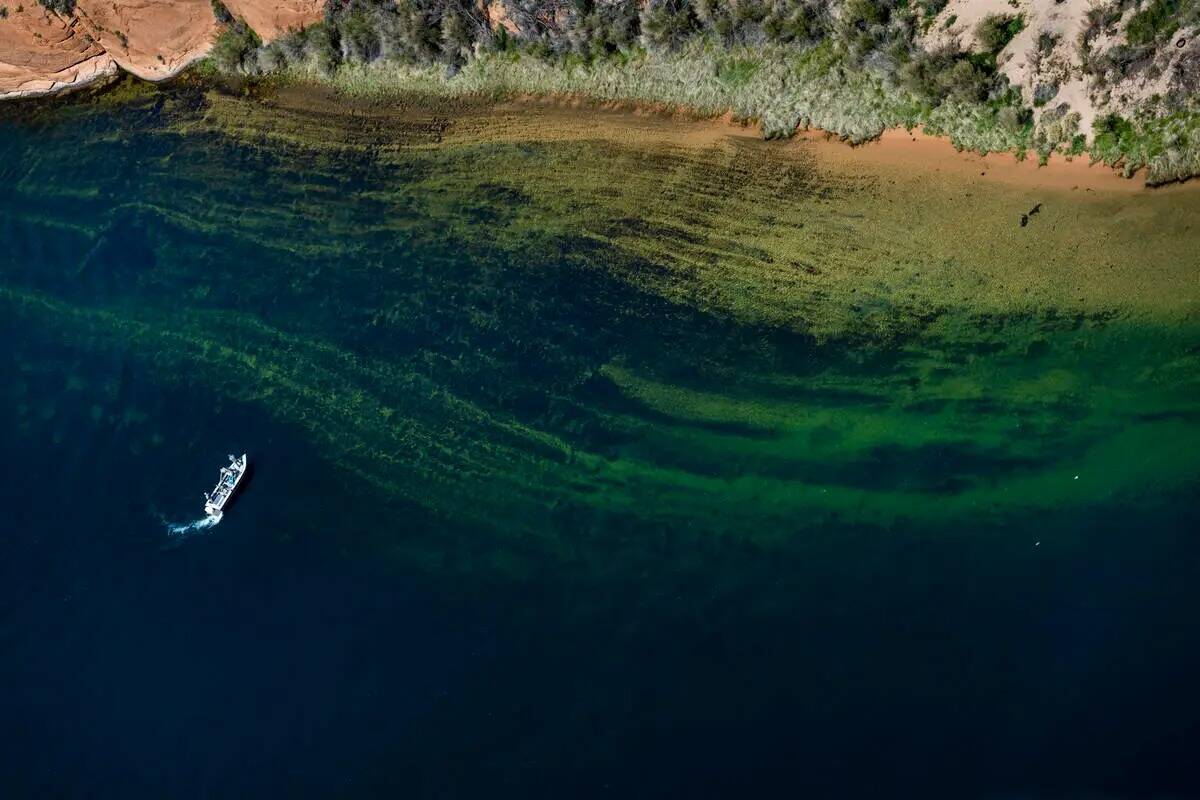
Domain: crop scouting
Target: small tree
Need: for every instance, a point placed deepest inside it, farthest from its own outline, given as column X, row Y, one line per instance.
column 221, row 13
column 997, row 30
column 665, row 24
column 234, row 49
column 60, row 6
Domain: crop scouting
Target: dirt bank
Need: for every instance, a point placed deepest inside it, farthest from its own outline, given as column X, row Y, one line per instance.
column 917, row 151
column 896, row 150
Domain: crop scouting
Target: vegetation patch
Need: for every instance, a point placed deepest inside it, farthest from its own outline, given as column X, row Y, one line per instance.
column 737, row 72
column 1157, row 20
column 59, row 6
column 235, row 48
column 997, row 30
column 221, row 13
column 1165, row 146
column 787, row 64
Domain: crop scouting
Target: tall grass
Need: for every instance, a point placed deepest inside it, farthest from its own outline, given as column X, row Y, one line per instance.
column 1168, row 146
column 781, row 88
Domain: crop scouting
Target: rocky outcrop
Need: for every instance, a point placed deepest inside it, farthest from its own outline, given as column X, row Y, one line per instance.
column 41, row 52
column 151, row 38
column 497, row 17
column 271, row 20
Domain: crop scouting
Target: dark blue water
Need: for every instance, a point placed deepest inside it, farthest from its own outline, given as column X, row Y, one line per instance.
column 231, row 662
column 420, row 593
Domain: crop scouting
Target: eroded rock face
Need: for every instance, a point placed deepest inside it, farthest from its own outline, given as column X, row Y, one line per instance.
column 497, row 17
column 41, row 52
column 153, row 39
column 271, row 19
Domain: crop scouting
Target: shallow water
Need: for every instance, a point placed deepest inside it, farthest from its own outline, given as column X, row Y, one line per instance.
column 586, row 460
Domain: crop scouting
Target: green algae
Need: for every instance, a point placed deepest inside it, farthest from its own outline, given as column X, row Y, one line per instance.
column 554, row 334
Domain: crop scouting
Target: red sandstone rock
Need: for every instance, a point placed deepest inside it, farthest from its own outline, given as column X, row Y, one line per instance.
column 153, row 39
column 41, row 52
column 271, row 19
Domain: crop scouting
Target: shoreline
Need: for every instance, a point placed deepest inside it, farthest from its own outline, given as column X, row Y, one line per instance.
column 897, row 148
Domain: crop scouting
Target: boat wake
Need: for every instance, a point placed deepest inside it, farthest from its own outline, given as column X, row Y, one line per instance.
column 214, row 501
column 196, row 526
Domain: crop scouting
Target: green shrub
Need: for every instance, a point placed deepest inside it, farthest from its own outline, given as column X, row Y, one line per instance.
column 862, row 14
column 929, row 11
column 502, row 41
column 666, row 24
column 1121, row 60
column 61, row 6
column 945, row 75
column 736, row 72
column 1158, row 20
column 786, row 23
column 601, row 31
column 221, row 13
column 1111, row 135
column 455, row 38
column 234, row 50
column 1044, row 92
column 995, row 31
column 360, row 40
column 319, row 49
column 1014, row 119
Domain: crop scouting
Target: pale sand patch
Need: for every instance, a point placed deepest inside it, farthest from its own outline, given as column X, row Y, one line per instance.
column 1025, row 65
column 1060, row 64
column 919, row 152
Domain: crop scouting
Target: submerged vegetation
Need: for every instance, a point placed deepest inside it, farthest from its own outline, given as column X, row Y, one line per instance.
column 554, row 328
column 854, row 68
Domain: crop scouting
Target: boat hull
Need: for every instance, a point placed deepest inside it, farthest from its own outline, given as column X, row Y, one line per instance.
column 230, row 481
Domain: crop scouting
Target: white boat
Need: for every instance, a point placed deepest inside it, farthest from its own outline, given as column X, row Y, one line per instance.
column 231, row 476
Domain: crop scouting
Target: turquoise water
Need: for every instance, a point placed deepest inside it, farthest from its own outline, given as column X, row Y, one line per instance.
column 559, row 487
